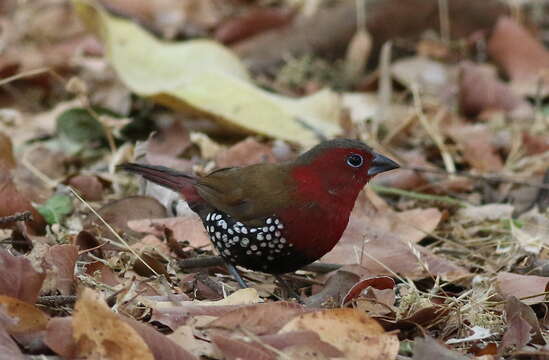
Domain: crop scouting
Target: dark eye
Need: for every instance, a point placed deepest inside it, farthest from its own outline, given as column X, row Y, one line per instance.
column 355, row 160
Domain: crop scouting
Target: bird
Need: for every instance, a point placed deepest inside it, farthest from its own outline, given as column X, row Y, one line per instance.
column 276, row 218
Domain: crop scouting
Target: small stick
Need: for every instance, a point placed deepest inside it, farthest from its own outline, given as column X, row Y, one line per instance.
column 24, row 216
column 56, row 300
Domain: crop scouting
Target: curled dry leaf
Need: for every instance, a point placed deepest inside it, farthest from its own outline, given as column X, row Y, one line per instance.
column 356, row 335
column 100, row 333
column 376, row 282
column 334, row 291
column 21, row 318
column 429, row 349
column 522, row 286
column 522, row 56
column 59, row 264
column 18, row 278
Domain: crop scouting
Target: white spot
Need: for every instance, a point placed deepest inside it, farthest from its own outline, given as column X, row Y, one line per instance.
column 230, row 231
column 219, row 244
column 208, row 217
column 238, row 223
column 280, row 226
column 269, row 220
column 259, row 236
column 276, row 250
column 244, row 230
column 263, row 244
column 272, row 228
column 237, row 230
column 268, row 237
column 244, row 242
column 236, row 238
column 280, row 246
column 227, row 252
column 258, row 253
column 248, row 252
column 218, row 235
column 252, row 230
column 253, row 247
column 270, row 258
column 282, row 240
column 277, row 221
column 212, row 229
column 278, row 233
column 218, row 217
column 224, row 237
column 265, row 229
column 271, row 245
column 291, row 245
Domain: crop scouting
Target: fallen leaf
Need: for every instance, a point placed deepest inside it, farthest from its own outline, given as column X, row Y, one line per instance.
column 376, row 282
column 428, row 348
column 100, row 333
column 56, row 208
column 234, row 349
column 119, row 212
column 169, row 141
column 521, row 286
column 521, row 56
column 485, row 212
column 59, row 337
column 334, row 291
column 480, row 90
column 517, row 334
column 431, row 76
column 245, row 153
column 387, row 240
column 184, row 337
column 59, row 264
column 185, row 228
column 356, row 335
column 260, row 319
column 21, row 318
column 18, row 278
column 252, row 22
column 201, row 75
column 88, row 186
column 102, row 273
column 8, row 347
column 476, row 143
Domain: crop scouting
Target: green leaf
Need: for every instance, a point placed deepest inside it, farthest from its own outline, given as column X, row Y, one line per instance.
column 80, row 126
column 56, row 208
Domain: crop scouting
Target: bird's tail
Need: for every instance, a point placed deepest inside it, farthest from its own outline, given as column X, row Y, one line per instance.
column 174, row 180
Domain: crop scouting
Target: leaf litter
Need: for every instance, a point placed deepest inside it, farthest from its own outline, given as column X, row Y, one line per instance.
column 444, row 259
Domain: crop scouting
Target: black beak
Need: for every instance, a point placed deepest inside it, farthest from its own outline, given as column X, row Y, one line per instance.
column 381, row 164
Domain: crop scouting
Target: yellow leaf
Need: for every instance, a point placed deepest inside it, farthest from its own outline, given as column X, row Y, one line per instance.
column 205, row 77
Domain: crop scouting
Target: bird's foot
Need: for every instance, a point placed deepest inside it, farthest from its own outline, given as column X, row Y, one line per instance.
column 236, row 275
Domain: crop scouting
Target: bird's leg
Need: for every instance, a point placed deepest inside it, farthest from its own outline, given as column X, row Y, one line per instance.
column 236, row 275
column 286, row 286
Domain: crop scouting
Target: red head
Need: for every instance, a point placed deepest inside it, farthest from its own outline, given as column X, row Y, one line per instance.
column 328, row 179
column 338, row 168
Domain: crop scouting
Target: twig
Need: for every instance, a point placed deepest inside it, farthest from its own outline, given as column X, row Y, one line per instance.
column 24, row 216
column 211, row 261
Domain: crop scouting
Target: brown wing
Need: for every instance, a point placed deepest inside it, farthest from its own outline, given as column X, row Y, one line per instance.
column 248, row 193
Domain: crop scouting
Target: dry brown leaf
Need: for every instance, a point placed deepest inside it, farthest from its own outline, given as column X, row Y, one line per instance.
column 101, row 333
column 88, row 186
column 21, row 318
column 520, row 286
column 309, row 339
column 244, row 153
column 253, row 22
column 353, row 333
column 102, row 273
column 8, row 347
column 18, row 278
column 118, row 213
column 430, row 349
column 480, row 90
column 387, row 239
column 260, row 319
column 523, row 57
column 234, row 349
column 59, row 337
column 185, row 338
column 59, row 264
column 185, row 228
column 477, row 144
